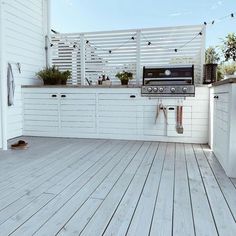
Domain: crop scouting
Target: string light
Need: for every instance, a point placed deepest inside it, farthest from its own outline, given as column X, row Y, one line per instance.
column 232, row 15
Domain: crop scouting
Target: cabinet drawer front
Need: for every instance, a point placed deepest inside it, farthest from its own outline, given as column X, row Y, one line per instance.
column 78, row 96
column 222, row 89
column 118, row 96
column 40, row 96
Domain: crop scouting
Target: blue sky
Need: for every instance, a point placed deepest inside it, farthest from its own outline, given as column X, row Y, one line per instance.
column 95, row 15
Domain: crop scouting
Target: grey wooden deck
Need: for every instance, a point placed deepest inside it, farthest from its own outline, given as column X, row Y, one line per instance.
column 100, row 187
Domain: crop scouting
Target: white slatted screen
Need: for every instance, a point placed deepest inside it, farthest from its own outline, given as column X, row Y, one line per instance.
column 89, row 55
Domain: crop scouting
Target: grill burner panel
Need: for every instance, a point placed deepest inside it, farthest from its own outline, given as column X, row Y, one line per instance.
column 168, row 91
column 168, row 81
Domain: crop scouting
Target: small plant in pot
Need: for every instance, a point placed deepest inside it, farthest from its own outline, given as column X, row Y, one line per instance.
column 52, row 76
column 210, row 68
column 228, row 68
column 124, row 77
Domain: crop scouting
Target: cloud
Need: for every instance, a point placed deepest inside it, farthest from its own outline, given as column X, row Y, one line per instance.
column 216, row 5
column 183, row 13
column 68, row 2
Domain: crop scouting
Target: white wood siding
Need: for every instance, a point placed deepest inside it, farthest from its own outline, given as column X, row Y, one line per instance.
column 112, row 113
column 24, row 34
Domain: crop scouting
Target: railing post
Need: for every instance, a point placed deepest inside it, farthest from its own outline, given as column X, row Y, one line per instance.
column 74, row 66
column 203, row 45
column 82, row 58
column 138, row 57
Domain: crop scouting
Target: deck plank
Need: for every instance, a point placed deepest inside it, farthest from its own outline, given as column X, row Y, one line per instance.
column 58, row 177
column 162, row 221
column 225, row 184
column 85, row 183
column 114, row 187
column 183, row 216
column 101, row 218
column 120, row 221
column 98, row 193
column 201, row 208
column 222, row 214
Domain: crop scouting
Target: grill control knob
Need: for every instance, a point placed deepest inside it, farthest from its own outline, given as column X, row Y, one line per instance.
column 155, row 89
column 149, row 89
column 161, row 89
column 184, row 89
column 172, row 90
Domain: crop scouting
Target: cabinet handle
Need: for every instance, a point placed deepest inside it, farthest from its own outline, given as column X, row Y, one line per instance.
column 54, row 95
column 63, row 96
column 132, row 96
column 216, row 97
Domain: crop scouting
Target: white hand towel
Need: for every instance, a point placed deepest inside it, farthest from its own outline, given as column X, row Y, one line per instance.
column 10, row 85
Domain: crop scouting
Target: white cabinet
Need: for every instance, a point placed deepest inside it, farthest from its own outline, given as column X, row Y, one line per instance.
column 59, row 113
column 117, row 114
column 77, row 114
column 223, row 126
column 41, row 113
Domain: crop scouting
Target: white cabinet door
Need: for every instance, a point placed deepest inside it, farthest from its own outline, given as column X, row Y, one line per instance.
column 77, row 114
column 41, row 113
column 221, row 127
column 117, row 114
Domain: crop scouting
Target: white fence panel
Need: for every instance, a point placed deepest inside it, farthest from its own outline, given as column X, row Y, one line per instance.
column 90, row 55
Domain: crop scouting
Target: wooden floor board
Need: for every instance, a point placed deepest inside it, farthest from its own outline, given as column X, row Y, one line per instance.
column 114, row 187
column 162, row 221
column 227, row 187
column 221, row 211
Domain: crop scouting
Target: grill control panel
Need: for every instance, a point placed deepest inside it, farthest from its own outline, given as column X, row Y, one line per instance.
column 168, row 91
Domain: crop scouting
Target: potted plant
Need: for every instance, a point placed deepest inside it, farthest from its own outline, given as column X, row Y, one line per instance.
column 52, row 76
column 210, row 68
column 227, row 70
column 124, row 77
column 229, row 53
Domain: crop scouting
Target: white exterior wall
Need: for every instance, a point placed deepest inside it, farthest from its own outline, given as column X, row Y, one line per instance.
column 23, row 27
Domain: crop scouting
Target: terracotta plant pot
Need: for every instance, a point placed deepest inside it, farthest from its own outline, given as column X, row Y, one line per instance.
column 124, row 82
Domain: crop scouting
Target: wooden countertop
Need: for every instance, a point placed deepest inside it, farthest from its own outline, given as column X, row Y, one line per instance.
column 225, row 81
column 80, row 86
column 92, row 86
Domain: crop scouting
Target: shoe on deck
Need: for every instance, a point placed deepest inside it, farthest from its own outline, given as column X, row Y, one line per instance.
column 20, row 145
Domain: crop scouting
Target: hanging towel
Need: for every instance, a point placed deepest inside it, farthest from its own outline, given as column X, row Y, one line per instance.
column 10, row 85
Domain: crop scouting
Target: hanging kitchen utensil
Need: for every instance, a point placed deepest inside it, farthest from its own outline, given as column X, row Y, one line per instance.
column 179, row 120
column 161, row 107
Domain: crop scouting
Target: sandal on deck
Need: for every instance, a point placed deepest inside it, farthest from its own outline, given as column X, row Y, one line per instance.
column 20, row 145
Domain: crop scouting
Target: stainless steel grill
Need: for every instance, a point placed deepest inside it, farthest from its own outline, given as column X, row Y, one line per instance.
column 168, row 81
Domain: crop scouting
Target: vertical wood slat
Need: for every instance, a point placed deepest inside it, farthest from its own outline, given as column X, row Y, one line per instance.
column 82, row 58
column 138, row 59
